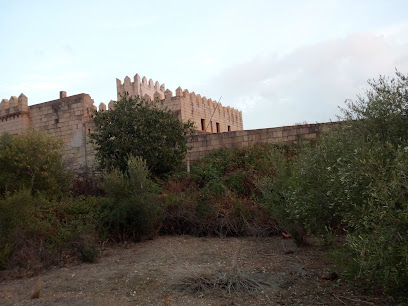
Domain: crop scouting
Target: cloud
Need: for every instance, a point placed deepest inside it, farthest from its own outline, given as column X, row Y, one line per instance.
column 309, row 83
column 396, row 32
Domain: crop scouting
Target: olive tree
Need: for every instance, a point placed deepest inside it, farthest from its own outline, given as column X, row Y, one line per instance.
column 382, row 113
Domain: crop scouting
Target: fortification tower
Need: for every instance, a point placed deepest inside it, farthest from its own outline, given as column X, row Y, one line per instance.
column 207, row 115
column 14, row 115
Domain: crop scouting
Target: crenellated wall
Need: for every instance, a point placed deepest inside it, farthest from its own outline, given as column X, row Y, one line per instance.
column 208, row 115
column 69, row 119
column 66, row 118
column 142, row 88
column 14, row 114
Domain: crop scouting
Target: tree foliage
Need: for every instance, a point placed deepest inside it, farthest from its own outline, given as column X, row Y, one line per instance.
column 135, row 127
column 382, row 113
column 355, row 181
column 34, row 161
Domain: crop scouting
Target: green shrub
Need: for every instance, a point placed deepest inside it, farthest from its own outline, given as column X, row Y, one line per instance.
column 36, row 232
column 379, row 241
column 135, row 127
column 131, row 207
column 33, row 161
column 354, row 181
column 325, row 180
column 221, row 195
column 273, row 188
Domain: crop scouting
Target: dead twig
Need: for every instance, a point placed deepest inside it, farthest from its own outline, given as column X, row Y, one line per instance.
column 339, row 299
column 356, row 300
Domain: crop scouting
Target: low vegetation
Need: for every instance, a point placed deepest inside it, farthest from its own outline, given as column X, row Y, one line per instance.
column 219, row 196
column 350, row 186
column 229, row 280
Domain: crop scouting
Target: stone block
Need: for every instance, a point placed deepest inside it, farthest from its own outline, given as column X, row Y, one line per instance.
column 309, row 136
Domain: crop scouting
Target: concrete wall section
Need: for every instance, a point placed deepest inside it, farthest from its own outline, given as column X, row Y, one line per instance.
column 204, row 143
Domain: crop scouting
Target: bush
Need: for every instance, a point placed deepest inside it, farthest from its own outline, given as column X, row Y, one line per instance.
column 354, row 181
column 36, row 232
column 379, row 241
column 220, row 196
column 131, row 208
column 273, row 189
column 239, row 169
column 325, row 179
column 33, row 161
column 136, row 127
column 382, row 113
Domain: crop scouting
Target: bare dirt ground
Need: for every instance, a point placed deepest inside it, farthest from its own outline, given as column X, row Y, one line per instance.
column 154, row 272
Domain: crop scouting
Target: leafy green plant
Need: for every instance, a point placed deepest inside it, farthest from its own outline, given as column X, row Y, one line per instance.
column 135, row 127
column 221, row 195
column 33, row 160
column 36, row 232
column 381, row 113
column 354, row 182
column 131, row 208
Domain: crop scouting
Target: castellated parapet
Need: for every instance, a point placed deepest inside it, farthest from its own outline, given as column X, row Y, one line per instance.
column 14, row 114
column 67, row 118
column 208, row 115
column 140, row 88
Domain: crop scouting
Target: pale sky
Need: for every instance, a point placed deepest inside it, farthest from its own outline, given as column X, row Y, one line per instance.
column 280, row 62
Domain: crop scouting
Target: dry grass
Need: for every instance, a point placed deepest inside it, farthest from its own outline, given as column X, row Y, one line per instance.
column 230, row 281
column 227, row 278
column 183, row 270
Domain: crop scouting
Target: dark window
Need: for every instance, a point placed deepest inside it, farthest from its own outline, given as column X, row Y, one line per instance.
column 229, row 128
column 203, row 124
column 218, row 127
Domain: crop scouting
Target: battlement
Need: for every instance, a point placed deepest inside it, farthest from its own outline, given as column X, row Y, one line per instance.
column 14, row 114
column 207, row 114
column 197, row 102
column 14, row 106
column 139, row 87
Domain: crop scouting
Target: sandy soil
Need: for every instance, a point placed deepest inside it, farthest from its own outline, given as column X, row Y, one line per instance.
column 150, row 273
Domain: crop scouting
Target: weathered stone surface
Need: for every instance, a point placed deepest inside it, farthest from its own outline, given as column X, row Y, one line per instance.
column 185, row 105
column 66, row 118
column 70, row 119
column 205, row 143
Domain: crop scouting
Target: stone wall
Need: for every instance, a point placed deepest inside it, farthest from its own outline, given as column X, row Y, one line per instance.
column 67, row 118
column 207, row 114
column 205, row 143
column 14, row 115
column 142, row 88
